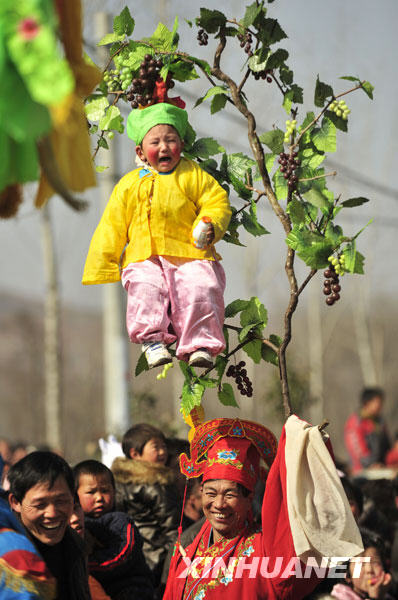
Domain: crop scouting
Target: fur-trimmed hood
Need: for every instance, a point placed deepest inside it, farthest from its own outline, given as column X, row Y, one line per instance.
column 128, row 470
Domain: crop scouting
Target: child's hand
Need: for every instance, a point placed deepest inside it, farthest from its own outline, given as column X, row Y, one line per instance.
column 377, row 585
column 209, row 234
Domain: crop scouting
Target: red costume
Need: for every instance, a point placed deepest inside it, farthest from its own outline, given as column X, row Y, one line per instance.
column 253, row 565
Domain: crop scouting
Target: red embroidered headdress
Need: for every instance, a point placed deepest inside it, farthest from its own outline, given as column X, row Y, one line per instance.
column 229, row 449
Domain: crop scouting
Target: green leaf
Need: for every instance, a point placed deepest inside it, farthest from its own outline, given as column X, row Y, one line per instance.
column 251, row 14
column 269, row 163
column 250, row 222
column 183, row 71
column 280, row 186
column 334, row 234
column 354, row 202
column 271, row 32
column 205, row 147
column 235, row 307
column 110, row 38
column 254, row 313
column 247, row 329
column 226, row 395
column 204, row 65
column 238, row 164
column 338, row 122
column 315, row 197
column 95, row 109
column 102, row 143
column 350, row 78
column 287, row 101
column 163, row 39
column 368, row 89
column 258, row 61
column 310, row 157
column 220, row 365
column 218, row 103
column 310, row 246
column 296, row 211
column 324, row 138
column 253, row 350
column 286, row 75
column 192, row 394
column 354, row 260
column 217, row 89
column 112, row 120
column 322, row 91
column 123, row 23
column 211, row 20
column 100, row 169
column 142, row 365
column 240, row 188
column 273, row 139
column 268, row 354
column 277, row 59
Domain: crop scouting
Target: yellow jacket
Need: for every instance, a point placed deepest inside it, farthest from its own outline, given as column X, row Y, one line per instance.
column 154, row 215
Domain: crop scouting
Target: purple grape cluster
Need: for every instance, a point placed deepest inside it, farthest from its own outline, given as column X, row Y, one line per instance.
column 142, row 87
column 239, row 373
column 266, row 74
column 246, row 41
column 288, row 166
column 331, row 286
column 202, row 37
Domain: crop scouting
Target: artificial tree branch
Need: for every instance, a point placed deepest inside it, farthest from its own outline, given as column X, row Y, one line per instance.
column 306, row 281
column 316, row 119
column 254, row 141
column 331, row 174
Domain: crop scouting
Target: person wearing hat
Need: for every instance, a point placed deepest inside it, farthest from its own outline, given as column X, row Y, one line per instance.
column 146, row 238
column 305, row 514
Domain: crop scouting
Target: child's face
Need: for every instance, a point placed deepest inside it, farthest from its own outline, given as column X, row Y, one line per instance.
column 96, row 494
column 154, row 451
column 161, row 148
column 371, row 573
column 76, row 521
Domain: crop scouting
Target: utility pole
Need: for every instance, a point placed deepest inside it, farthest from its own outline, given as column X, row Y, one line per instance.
column 115, row 345
column 51, row 337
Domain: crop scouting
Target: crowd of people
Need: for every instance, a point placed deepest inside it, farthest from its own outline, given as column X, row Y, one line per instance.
column 133, row 530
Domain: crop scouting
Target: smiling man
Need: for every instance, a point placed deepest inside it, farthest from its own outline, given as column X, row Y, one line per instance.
column 41, row 496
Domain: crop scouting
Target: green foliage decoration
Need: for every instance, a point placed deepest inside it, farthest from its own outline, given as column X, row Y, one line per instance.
column 302, row 202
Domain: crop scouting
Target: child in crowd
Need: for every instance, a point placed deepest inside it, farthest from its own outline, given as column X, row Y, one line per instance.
column 371, row 579
column 146, row 491
column 149, row 237
column 115, row 546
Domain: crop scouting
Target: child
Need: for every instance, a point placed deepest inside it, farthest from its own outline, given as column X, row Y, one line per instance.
column 146, row 491
column 370, row 580
column 115, row 556
column 175, row 288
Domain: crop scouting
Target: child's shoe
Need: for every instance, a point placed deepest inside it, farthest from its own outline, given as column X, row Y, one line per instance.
column 156, row 354
column 201, row 358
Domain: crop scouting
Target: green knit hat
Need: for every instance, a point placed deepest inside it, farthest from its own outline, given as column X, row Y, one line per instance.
column 141, row 120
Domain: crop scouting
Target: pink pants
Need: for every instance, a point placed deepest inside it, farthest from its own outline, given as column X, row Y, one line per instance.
column 180, row 301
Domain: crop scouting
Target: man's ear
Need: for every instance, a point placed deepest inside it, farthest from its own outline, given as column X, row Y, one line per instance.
column 14, row 503
column 133, row 452
column 140, row 153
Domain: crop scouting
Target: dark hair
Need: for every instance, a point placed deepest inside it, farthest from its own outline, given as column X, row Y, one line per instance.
column 91, row 467
column 371, row 539
column 369, row 393
column 138, row 435
column 353, row 492
column 38, row 467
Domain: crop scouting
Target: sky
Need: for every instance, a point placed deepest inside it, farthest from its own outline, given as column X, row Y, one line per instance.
column 326, row 38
